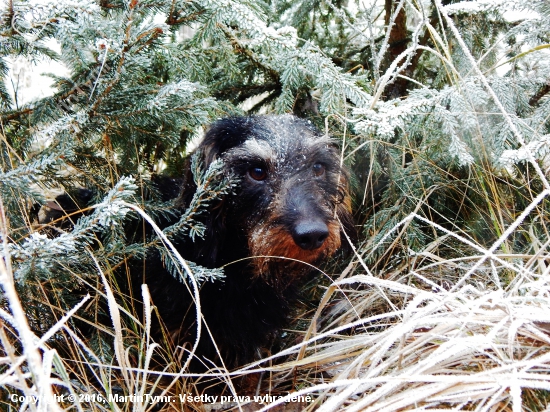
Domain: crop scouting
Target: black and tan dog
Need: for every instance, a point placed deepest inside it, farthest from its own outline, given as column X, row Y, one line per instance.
column 288, row 212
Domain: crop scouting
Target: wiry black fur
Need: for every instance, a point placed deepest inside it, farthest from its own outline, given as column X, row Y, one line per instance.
column 245, row 311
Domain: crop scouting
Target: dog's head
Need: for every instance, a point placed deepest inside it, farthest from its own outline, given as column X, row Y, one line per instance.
column 292, row 203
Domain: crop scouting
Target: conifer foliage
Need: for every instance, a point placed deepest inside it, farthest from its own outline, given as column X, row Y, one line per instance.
column 442, row 111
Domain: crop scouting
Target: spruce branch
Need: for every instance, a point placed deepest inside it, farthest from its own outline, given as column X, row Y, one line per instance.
column 212, row 184
column 173, row 18
column 42, row 380
column 483, row 79
column 256, row 60
column 38, row 254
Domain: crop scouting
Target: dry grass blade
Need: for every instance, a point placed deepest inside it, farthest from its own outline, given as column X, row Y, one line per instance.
column 117, row 324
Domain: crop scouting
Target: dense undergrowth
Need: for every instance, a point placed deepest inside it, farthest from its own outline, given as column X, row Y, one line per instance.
column 441, row 109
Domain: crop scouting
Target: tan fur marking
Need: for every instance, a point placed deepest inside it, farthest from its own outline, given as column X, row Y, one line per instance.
column 278, row 243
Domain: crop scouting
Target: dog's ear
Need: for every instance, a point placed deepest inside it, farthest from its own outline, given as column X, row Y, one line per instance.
column 224, row 135
column 220, row 137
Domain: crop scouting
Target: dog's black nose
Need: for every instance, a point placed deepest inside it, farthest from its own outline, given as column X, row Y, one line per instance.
column 310, row 235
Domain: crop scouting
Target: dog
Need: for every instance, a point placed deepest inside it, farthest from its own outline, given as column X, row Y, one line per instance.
column 290, row 210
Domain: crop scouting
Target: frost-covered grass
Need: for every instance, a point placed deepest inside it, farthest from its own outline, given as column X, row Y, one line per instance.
column 434, row 334
column 426, row 333
column 444, row 302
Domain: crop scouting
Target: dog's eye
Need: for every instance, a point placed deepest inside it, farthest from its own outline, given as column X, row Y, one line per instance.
column 257, row 173
column 318, row 169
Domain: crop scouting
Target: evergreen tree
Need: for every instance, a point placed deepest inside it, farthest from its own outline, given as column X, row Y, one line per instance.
column 441, row 108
